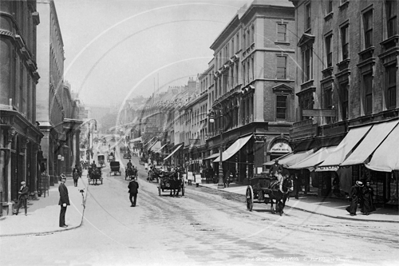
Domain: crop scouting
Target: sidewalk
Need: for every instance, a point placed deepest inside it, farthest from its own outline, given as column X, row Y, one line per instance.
column 43, row 214
column 330, row 207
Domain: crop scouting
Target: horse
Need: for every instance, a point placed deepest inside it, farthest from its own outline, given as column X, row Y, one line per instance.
column 279, row 191
column 130, row 172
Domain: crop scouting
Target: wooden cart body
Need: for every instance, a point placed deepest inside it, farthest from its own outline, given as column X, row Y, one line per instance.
column 115, row 168
column 95, row 176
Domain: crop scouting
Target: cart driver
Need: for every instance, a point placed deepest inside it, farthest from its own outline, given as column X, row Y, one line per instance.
column 276, row 170
column 93, row 165
column 129, row 164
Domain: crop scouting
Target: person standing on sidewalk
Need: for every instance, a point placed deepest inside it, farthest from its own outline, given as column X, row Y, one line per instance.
column 133, row 190
column 355, row 192
column 23, row 197
column 368, row 202
column 75, row 175
column 64, row 200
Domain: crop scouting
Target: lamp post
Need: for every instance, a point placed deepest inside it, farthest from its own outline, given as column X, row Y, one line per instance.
column 212, row 120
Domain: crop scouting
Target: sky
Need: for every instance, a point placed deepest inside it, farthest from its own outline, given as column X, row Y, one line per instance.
column 119, row 49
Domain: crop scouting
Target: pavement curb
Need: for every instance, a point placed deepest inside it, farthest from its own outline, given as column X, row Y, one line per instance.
column 50, row 231
column 313, row 212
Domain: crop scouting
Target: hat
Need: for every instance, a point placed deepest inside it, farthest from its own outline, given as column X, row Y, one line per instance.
column 63, row 176
column 359, row 183
column 23, row 183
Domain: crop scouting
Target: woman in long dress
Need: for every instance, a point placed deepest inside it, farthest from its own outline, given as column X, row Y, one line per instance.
column 368, row 196
column 355, row 193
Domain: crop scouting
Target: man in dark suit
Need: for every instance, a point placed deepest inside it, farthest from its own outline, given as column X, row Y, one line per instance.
column 133, row 190
column 23, row 197
column 64, row 200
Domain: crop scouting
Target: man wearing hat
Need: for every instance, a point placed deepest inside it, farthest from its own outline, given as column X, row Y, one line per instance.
column 64, row 200
column 133, row 190
column 23, row 197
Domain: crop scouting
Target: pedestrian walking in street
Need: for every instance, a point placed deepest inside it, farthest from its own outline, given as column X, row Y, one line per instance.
column 368, row 199
column 355, row 194
column 75, row 175
column 133, row 190
column 297, row 184
column 64, row 200
column 23, row 197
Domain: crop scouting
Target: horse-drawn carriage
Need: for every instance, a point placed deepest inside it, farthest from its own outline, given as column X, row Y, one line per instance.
column 94, row 175
column 170, row 181
column 269, row 189
column 130, row 172
column 101, row 160
column 111, row 157
column 115, row 168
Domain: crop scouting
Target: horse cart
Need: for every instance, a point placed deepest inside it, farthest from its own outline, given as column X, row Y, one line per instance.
column 131, row 173
column 170, row 181
column 111, row 157
column 101, row 160
column 266, row 189
column 94, row 176
column 115, row 168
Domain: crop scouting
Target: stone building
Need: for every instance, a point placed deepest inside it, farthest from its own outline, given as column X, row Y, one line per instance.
column 253, row 95
column 347, row 93
column 57, row 121
column 19, row 132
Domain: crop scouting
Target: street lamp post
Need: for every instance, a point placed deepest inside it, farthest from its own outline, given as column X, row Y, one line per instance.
column 212, row 120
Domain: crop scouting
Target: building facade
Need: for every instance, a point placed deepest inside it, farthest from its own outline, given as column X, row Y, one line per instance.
column 53, row 102
column 19, row 132
column 253, row 92
column 347, row 53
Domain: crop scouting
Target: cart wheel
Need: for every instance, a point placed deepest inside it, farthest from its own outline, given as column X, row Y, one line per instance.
column 250, row 198
column 182, row 191
column 159, row 191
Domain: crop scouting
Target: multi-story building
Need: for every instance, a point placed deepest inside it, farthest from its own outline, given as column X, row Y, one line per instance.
column 53, row 101
column 347, row 92
column 253, row 96
column 19, row 132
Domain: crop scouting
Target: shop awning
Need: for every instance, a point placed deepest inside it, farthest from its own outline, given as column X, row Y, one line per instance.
column 386, row 156
column 136, row 140
column 213, row 156
column 173, row 152
column 233, row 149
column 372, row 140
column 160, row 149
column 314, row 159
column 294, row 158
column 270, row 163
column 155, row 146
column 332, row 162
column 150, row 141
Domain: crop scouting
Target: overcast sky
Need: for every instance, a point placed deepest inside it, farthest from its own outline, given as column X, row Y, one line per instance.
column 118, row 48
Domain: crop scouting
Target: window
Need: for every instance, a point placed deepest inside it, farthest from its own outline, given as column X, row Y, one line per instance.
column 307, row 57
column 368, row 28
column 252, row 34
column 281, row 32
column 281, row 67
column 328, row 51
column 281, row 107
column 344, row 100
column 329, row 6
column 392, row 12
column 328, row 101
column 306, row 103
column 368, row 94
column 307, row 17
column 391, row 86
column 244, row 40
column 344, row 42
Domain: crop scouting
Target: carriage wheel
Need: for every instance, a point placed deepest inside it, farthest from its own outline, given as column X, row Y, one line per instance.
column 182, row 191
column 159, row 191
column 250, row 198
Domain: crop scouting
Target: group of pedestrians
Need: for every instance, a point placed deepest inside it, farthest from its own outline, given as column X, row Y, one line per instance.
column 361, row 194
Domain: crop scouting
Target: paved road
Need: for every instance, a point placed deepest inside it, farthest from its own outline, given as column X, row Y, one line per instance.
column 201, row 228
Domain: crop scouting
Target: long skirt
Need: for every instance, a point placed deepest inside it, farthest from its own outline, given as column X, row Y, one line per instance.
column 352, row 207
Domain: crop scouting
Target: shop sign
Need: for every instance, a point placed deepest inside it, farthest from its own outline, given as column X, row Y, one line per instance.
column 280, row 147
